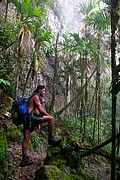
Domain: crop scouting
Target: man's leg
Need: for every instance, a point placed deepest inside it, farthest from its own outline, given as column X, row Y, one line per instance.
column 50, row 121
column 51, row 139
column 25, row 160
column 25, row 141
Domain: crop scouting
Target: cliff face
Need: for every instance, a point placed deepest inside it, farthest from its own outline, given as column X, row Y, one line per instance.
column 63, row 17
column 67, row 18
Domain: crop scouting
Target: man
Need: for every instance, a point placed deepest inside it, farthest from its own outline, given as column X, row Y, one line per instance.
column 36, row 116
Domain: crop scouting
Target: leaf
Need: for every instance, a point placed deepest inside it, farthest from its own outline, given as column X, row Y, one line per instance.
column 5, row 82
column 17, row 4
column 116, row 89
column 117, row 69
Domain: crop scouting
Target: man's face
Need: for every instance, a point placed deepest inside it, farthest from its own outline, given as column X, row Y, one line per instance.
column 42, row 91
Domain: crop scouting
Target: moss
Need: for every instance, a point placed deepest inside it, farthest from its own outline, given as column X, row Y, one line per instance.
column 75, row 177
column 51, row 173
column 5, row 157
column 53, row 151
column 83, row 174
column 3, row 145
column 65, row 155
column 59, row 162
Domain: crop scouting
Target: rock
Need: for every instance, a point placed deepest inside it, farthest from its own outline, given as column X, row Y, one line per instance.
column 49, row 172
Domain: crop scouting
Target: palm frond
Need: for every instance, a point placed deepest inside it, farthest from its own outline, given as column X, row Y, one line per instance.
column 98, row 20
column 26, row 9
column 17, row 4
column 87, row 8
column 5, row 82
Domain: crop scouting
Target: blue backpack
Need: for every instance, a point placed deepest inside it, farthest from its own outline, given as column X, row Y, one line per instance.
column 19, row 111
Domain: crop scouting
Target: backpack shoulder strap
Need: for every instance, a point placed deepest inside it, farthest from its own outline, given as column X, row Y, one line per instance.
column 40, row 98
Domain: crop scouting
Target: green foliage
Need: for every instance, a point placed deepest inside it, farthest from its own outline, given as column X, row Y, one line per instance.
column 35, row 141
column 66, row 155
column 84, row 174
column 5, row 158
column 94, row 16
column 7, row 39
column 13, row 134
column 87, row 8
column 98, row 20
column 74, row 127
column 5, row 83
column 6, row 77
column 58, row 131
column 27, row 9
column 3, row 145
column 116, row 88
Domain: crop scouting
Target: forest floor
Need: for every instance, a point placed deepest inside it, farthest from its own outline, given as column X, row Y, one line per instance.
column 101, row 171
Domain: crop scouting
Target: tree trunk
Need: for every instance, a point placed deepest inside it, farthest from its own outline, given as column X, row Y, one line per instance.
column 86, row 98
column 96, row 103
column 114, row 4
column 54, row 77
column 99, row 94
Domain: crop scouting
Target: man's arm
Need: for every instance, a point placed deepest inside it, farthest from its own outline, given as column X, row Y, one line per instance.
column 38, row 105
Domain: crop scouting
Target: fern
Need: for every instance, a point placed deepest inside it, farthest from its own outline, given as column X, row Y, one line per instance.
column 5, row 82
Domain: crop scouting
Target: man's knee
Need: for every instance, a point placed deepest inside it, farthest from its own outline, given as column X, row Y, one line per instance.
column 51, row 119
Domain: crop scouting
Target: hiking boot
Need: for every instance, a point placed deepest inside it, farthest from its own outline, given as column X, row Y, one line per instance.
column 54, row 139
column 26, row 162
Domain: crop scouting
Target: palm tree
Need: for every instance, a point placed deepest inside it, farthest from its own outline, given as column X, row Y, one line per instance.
column 99, row 21
column 26, row 13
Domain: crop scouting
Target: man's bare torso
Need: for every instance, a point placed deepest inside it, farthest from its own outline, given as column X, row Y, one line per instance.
column 32, row 105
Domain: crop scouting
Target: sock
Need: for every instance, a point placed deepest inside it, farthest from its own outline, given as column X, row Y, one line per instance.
column 50, row 135
column 24, row 156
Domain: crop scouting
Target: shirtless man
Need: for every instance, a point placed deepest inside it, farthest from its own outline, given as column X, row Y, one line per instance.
column 36, row 116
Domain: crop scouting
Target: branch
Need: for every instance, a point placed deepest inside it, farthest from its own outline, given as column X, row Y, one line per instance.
column 107, row 155
column 96, row 148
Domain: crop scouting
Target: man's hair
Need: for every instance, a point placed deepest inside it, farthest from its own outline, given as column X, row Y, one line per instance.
column 39, row 87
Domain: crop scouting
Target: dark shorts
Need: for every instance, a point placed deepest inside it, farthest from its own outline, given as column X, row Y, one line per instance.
column 35, row 121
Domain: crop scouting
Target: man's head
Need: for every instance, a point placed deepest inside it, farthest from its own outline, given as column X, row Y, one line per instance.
column 40, row 89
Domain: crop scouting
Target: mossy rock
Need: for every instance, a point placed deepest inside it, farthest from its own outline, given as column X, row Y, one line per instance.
column 53, row 173
column 64, row 155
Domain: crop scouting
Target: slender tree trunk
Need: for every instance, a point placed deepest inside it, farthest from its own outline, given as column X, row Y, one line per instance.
column 82, row 102
column 16, row 78
column 86, row 98
column 114, row 4
column 99, row 115
column 96, row 103
column 99, row 94
column 66, row 91
column 6, row 10
column 93, row 98
column 55, row 76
